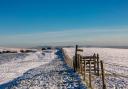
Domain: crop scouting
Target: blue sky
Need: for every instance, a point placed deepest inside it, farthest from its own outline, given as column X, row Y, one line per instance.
column 26, row 23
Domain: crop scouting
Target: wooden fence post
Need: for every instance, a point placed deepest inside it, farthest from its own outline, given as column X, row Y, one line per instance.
column 94, row 56
column 84, row 68
column 98, row 65
column 90, row 83
column 78, row 58
column 103, row 76
column 81, row 65
column 75, row 60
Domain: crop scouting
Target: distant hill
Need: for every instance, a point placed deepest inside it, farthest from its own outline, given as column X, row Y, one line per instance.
column 88, row 46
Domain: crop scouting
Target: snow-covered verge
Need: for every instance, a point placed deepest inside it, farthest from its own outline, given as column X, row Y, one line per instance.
column 8, row 57
column 115, row 64
column 14, row 49
column 15, row 68
column 45, row 70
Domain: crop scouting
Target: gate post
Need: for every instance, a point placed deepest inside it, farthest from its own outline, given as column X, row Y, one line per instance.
column 90, row 82
column 103, row 76
column 75, row 60
column 98, row 65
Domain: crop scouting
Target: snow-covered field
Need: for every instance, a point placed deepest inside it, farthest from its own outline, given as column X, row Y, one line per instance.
column 38, row 70
column 15, row 68
column 108, row 55
column 7, row 57
column 115, row 63
column 14, row 49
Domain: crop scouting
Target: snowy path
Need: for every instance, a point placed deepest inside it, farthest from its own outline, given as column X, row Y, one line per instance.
column 53, row 75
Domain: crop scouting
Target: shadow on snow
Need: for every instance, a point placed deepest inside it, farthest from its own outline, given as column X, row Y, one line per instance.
column 69, row 72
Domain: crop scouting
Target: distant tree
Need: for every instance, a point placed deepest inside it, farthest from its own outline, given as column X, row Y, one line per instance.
column 49, row 48
column 43, row 49
column 22, row 51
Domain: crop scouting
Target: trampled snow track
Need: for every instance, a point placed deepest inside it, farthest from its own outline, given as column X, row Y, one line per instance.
column 53, row 75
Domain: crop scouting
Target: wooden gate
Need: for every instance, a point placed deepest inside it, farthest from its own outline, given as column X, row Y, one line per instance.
column 88, row 65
